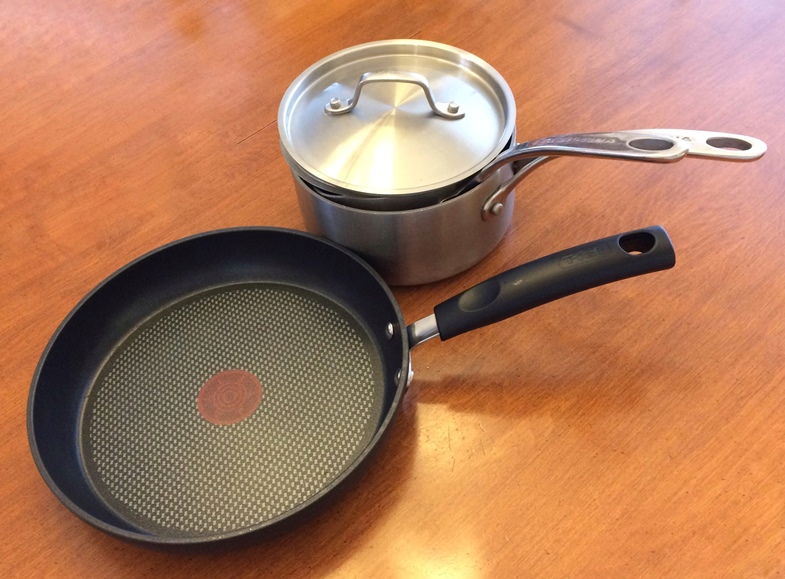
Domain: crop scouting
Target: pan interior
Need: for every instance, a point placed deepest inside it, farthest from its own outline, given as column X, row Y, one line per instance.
column 162, row 464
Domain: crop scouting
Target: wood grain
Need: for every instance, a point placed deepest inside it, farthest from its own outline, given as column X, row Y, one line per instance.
column 637, row 430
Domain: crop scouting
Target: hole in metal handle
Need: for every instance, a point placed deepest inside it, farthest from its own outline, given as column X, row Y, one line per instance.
column 651, row 144
column 729, row 143
column 637, row 243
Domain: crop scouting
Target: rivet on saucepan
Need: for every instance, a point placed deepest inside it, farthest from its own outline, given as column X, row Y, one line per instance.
column 335, row 103
column 398, row 376
column 389, row 331
column 497, row 208
column 453, row 108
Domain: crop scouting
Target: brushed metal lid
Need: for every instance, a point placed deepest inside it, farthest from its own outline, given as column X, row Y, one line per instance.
column 360, row 122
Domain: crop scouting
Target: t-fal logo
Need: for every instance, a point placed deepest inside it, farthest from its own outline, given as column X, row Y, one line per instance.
column 584, row 255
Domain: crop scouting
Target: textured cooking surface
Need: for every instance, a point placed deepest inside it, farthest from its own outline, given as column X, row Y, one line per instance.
column 160, row 464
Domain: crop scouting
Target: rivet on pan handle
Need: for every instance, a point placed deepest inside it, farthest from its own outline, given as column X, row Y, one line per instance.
column 547, row 279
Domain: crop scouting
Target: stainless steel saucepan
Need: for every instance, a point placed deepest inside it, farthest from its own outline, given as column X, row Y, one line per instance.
column 405, row 151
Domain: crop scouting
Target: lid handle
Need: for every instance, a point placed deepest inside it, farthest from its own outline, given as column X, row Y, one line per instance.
column 449, row 110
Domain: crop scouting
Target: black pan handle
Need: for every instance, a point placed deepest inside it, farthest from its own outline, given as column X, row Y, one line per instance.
column 555, row 276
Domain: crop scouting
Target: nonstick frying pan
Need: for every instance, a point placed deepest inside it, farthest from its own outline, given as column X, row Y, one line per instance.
column 223, row 386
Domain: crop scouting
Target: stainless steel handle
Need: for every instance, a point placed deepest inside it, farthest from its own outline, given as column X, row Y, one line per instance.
column 450, row 110
column 713, row 145
column 658, row 145
column 630, row 145
column 626, row 145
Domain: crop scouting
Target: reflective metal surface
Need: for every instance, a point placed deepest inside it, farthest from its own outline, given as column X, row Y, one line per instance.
column 628, row 145
column 422, row 330
column 656, row 145
column 448, row 110
column 394, row 145
column 415, row 246
column 713, row 145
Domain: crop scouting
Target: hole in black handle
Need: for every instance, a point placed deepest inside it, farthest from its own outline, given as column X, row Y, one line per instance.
column 637, row 243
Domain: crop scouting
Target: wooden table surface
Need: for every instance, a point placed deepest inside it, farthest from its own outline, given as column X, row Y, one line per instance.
column 635, row 430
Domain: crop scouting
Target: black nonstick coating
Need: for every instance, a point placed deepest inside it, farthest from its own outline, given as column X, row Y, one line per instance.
column 217, row 386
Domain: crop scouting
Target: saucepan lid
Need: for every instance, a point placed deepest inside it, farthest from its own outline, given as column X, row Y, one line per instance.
column 395, row 118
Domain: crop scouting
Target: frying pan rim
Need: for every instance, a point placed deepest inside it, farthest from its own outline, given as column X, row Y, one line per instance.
column 311, row 502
